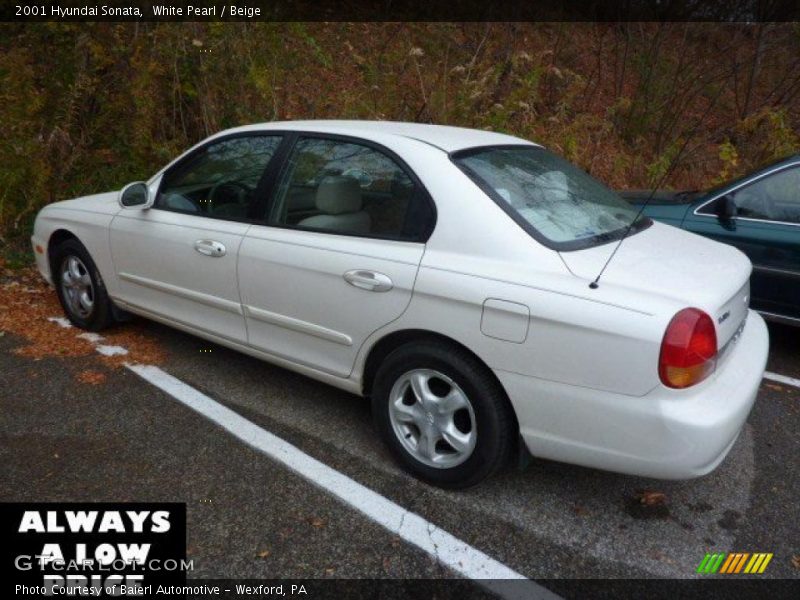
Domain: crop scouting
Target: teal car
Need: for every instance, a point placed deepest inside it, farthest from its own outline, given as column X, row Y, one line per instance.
column 760, row 215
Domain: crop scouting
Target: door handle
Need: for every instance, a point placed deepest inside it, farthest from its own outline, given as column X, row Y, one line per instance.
column 368, row 280
column 210, row 248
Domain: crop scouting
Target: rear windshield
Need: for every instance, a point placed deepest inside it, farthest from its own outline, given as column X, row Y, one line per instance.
column 555, row 201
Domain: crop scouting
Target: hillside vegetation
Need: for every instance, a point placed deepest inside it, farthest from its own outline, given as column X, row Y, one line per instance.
column 87, row 108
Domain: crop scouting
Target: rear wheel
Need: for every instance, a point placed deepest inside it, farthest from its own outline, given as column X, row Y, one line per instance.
column 443, row 415
column 80, row 287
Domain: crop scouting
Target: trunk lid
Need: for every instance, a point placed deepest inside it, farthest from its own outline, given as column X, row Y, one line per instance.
column 675, row 264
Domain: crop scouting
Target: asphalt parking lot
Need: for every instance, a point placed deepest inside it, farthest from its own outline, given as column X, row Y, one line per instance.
column 250, row 517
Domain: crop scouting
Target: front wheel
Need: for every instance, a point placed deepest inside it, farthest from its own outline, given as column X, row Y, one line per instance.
column 80, row 287
column 443, row 415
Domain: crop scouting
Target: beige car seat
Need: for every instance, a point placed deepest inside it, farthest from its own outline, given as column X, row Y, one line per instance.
column 339, row 200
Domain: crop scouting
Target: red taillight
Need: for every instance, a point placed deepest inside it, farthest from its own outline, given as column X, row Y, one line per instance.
column 689, row 349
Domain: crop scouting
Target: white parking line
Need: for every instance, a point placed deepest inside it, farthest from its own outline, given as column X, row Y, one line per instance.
column 60, row 321
column 111, row 350
column 444, row 547
column 782, row 379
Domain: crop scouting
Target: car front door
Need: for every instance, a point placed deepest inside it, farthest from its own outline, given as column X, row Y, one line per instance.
column 337, row 254
column 766, row 228
column 177, row 260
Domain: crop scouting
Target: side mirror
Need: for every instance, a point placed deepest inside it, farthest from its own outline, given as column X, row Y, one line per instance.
column 135, row 195
column 726, row 208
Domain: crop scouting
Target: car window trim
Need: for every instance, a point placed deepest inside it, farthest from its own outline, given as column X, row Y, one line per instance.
column 776, row 271
column 754, row 179
column 579, row 244
column 272, row 176
column 185, row 160
column 421, row 193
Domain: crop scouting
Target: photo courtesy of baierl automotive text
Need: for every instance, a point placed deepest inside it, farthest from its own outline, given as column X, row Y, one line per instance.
column 349, row 300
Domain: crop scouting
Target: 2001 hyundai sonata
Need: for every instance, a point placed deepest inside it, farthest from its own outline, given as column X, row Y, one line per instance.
column 449, row 274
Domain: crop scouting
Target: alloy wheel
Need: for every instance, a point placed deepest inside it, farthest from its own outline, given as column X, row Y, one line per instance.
column 432, row 418
column 76, row 287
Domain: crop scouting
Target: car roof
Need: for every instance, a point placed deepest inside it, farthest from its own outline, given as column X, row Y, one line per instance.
column 446, row 138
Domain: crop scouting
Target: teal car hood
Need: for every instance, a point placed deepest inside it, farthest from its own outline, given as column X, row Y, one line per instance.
column 671, row 214
column 663, row 205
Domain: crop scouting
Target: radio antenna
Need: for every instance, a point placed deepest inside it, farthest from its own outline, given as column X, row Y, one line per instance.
column 596, row 283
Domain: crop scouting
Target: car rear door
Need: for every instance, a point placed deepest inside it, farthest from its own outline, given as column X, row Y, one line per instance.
column 318, row 276
column 177, row 260
column 767, row 229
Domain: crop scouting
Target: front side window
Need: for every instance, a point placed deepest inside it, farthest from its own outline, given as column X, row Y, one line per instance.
column 349, row 188
column 776, row 197
column 557, row 202
column 220, row 180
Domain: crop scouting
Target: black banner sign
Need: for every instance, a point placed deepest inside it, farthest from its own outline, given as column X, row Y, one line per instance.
column 93, row 549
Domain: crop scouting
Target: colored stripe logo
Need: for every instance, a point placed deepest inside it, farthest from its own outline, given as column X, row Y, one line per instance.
column 734, row 562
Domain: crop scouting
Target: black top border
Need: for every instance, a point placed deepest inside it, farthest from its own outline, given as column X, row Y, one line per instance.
column 22, row 11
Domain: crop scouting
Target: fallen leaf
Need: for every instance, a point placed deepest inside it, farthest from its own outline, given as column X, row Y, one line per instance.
column 774, row 386
column 316, row 522
column 796, row 561
column 38, row 319
column 651, row 498
column 263, row 554
column 91, row 377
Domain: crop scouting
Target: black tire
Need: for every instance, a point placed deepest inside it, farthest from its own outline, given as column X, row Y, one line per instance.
column 101, row 314
column 494, row 418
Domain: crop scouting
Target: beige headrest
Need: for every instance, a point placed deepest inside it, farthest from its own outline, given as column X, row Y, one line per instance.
column 338, row 195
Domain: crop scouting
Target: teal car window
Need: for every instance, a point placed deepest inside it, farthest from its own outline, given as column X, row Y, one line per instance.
column 773, row 198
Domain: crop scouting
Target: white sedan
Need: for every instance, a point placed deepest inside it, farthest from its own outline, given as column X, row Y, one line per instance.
column 448, row 274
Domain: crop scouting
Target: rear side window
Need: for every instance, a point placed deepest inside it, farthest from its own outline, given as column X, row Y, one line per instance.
column 349, row 188
column 220, row 180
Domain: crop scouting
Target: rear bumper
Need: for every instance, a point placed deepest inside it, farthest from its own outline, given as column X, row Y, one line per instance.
column 668, row 434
